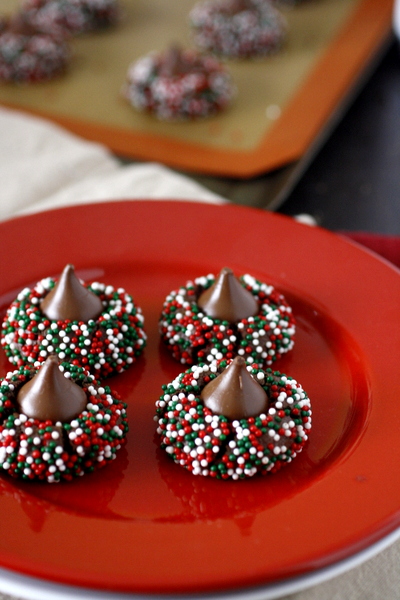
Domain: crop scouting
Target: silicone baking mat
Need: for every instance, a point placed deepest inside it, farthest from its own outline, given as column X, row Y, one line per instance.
column 283, row 102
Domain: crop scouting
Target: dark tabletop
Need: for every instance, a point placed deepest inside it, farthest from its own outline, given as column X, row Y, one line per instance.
column 352, row 181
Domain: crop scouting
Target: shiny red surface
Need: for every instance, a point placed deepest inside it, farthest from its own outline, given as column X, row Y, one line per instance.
column 143, row 524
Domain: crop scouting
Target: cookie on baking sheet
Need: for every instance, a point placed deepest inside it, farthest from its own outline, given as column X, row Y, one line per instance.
column 28, row 55
column 237, row 28
column 178, row 85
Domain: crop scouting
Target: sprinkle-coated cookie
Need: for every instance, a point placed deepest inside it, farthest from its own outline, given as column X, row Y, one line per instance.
column 193, row 336
column 71, row 17
column 237, row 28
column 214, row 445
column 28, row 55
column 51, row 451
column 105, row 345
column 185, row 87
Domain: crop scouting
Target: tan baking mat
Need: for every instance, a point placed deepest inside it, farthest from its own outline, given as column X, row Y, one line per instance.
column 282, row 104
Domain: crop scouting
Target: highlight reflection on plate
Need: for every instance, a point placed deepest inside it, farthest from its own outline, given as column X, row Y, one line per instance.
column 143, row 510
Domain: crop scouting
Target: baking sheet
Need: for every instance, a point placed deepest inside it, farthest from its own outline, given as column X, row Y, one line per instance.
column 282, row 104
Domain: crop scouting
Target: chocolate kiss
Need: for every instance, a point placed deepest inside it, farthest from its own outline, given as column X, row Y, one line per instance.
column 235, row 393
column 49, row 396
column 236, row 6
column 175, row 62
column 227, row 299
column 17, row 24
column 69, row 299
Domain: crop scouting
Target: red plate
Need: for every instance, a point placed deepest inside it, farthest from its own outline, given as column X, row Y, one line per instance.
column 143, row 524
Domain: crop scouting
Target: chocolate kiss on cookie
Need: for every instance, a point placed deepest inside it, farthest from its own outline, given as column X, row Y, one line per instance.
column 227, row 299
column 49, row 396
column 17, row 24
column 174, row 62
column 235, row 393
column 236, row 6
column 69, row 299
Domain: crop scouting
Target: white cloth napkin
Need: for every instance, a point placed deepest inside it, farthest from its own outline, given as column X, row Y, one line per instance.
column 43, row 166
